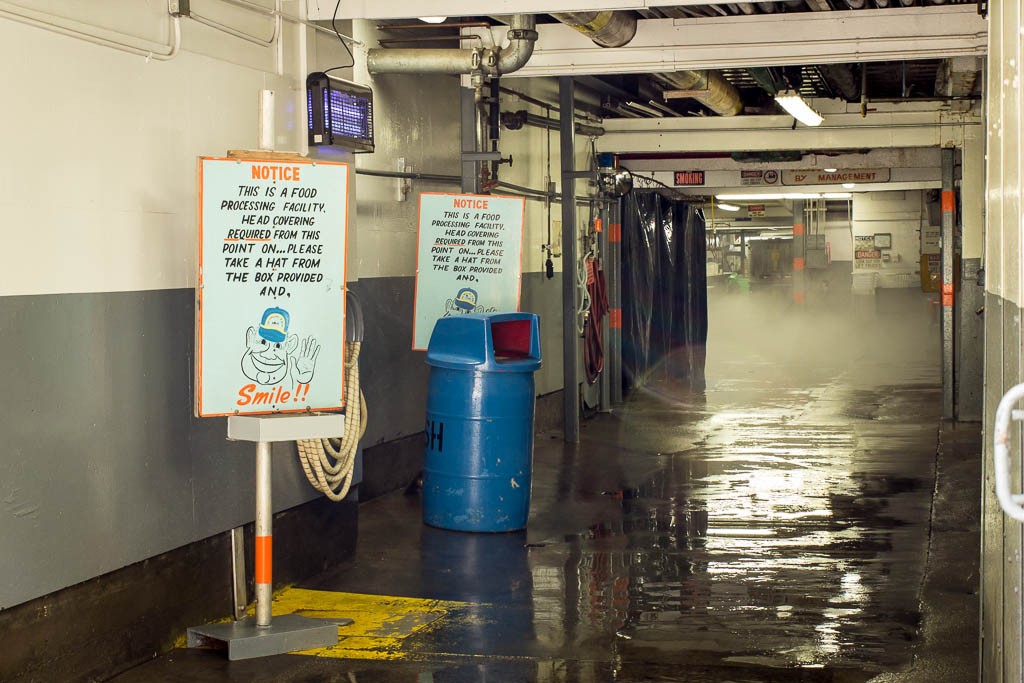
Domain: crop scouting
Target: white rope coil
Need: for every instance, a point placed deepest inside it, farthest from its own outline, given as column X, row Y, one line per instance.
column 329, row 463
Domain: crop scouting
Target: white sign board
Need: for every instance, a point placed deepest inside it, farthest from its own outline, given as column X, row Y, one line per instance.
column 469, row 258
column 817, row 177
column 270, row 314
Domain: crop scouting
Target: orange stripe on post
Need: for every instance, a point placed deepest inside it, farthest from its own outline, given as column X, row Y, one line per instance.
column 615, row 318
column 615, row 232
column 798, row 229
column 264, row 558
column 798, row 263
column 798, row 297
column 948, row 200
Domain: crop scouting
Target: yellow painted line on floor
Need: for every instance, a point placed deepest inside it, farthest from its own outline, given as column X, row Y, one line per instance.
column 381, row 623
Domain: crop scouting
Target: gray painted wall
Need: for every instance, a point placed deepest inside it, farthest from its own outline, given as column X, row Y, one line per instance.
column 103, row 463
column 1002, row 538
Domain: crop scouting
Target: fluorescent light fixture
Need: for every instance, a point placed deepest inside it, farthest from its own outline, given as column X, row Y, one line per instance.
column 727, row 207
column 830, row 170
column 849, row 186
column 791, row 101
column 433, row 20
column 784, row 195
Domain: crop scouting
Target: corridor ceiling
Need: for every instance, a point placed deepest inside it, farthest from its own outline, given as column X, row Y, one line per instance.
column 656, row 94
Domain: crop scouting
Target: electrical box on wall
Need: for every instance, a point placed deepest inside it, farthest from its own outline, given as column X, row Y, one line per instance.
column 340, row 113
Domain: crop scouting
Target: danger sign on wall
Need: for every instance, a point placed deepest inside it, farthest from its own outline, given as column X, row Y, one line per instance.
column 270, row 314
column 469, row 258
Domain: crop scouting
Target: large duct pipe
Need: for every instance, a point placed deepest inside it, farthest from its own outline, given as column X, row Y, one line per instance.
column 710, row 89
column 607, row 29
column 494, row 61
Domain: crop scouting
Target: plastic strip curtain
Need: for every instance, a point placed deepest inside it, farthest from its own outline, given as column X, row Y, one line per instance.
column 664, row 292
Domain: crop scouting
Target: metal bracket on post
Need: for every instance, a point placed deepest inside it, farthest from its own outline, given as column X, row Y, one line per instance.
column 1012, row 503
column 263, row 635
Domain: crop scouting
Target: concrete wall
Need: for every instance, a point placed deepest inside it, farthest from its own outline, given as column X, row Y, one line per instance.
column 900, row 215
column 1002, row 539
column 104, row 464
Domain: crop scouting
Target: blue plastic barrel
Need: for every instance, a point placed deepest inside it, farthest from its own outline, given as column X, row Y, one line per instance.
column 478, row 463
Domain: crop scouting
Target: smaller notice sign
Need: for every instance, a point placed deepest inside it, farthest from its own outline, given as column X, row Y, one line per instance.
column 270, row 314
column 469, row 258
column 690, row 178
column 757, row 177
column 818, row 177
column 756, row 210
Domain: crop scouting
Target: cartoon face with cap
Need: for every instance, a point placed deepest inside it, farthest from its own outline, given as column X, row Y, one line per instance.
column 266, row 357
column 465, row 301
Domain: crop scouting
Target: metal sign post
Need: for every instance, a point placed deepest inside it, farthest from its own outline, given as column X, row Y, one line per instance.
column 263, row 635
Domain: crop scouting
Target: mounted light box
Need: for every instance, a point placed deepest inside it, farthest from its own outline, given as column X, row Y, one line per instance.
column 340, row 113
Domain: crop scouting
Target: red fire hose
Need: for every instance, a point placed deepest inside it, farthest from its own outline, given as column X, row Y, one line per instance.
column 593, row 342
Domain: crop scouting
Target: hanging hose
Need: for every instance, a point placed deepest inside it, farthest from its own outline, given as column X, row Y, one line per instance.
column 593, row 339
column 329, row 463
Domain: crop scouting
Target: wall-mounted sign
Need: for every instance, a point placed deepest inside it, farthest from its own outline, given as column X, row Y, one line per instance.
column 756, row 210
column 270, row 313
column 818, row 177
column 758, row 177
column 469, row 258
column 689, row 178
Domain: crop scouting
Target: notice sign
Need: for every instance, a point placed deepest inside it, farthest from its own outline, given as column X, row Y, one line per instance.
column 688, row 178
column 469, row 258
column 270, row 315
column 814, row 177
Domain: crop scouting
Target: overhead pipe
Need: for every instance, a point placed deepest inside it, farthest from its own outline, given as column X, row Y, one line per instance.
column 709, row 88
column 607, row 29
column 491, row 61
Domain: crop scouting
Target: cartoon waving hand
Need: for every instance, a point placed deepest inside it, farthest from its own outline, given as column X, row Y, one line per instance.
column 304, row 361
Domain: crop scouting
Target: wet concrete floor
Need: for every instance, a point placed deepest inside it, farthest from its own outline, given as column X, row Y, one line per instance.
column 776, row 527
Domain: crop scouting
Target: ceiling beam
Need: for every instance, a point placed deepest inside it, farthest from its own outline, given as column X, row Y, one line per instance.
column 845, row 131
column 318, row 10
column 763, row 40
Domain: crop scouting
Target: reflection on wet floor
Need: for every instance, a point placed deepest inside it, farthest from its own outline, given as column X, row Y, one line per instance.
column 774, row 527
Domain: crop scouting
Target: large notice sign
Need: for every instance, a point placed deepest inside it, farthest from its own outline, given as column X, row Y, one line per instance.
column 270, row 315
column 469, row 259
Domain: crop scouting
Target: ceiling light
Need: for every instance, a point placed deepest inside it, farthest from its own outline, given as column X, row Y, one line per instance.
column 849, row 186
column 433, row 20
column 830, row 170
column 791, row 101
column 727, row 207
column 785, row 195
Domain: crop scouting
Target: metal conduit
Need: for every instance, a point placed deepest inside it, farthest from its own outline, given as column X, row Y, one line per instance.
column 607, row 29
column 493, row 61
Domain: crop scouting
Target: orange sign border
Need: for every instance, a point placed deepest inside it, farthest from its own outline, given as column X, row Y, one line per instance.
column 199, row 284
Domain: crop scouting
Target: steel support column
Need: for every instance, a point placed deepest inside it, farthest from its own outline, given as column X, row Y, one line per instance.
column 604, row 245
column 799, row 252
column 570, row 337
column 470, row 123
column 948, row 295
column 614, row 273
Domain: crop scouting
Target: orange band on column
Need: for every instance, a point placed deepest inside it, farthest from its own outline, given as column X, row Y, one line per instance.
column 948, row 200
column 615, row 232
column 798, row 297
column 615, row 318
column 264, row 558
column 798, row 229
column 798, row 263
